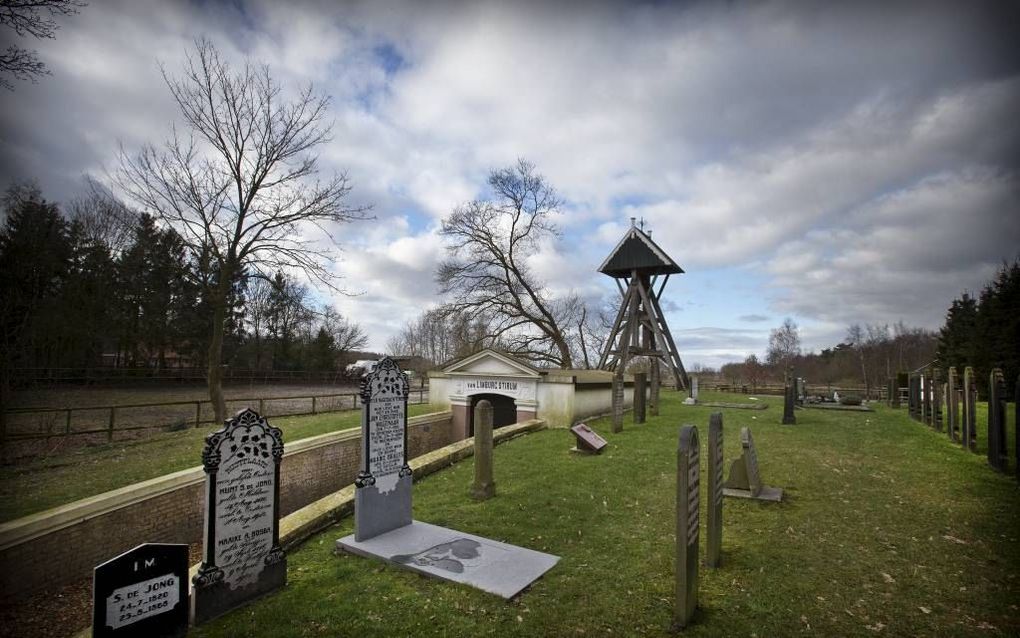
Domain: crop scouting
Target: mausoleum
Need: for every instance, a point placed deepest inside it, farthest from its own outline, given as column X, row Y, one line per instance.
column 519, row 391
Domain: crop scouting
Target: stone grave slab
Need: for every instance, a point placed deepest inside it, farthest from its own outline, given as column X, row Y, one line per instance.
column 142, row 592
column 498, row 568
column 588, row 442
column 745, row 478
column 242, row 557
column 382, row 496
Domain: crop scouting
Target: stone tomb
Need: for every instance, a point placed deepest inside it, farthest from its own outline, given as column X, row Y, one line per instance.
column 383, row 525
column 745, row 480
column 143, row 592
column 588, row 441
column 242, row 556
column 688, row 526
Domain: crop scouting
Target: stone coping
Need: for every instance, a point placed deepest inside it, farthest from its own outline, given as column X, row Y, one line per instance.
column 300, row 525
column 26, row 528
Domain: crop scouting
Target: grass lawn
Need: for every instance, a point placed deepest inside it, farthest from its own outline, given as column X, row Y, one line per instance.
column 55, row 480
column 886, row 529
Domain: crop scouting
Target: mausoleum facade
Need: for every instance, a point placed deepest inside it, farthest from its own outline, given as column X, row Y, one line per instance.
column 519, row 391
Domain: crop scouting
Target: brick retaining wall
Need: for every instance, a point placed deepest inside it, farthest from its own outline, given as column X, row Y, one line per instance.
column 62, row 545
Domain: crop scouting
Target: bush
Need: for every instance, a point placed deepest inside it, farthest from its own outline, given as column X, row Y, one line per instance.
column 850, row 400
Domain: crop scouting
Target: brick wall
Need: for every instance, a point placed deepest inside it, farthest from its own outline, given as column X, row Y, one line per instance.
column 63, row 545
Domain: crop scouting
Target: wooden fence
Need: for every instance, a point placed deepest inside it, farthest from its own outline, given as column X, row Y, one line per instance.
column 47, row 422
column 878, row 393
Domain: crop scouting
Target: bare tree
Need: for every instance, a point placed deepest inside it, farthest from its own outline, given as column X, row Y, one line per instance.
column 347, row 335
column 487, row 274
column 34, row 18
column 784, row 344
column 240, row 184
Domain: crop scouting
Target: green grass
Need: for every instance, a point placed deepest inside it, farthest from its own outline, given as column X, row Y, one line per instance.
column 886, row 529
column 63, row 478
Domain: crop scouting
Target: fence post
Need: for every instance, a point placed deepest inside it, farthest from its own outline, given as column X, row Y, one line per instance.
column 198, row 413
column 355, row 402
column 313, row 405
column 67, row 423
column 113, row 419
column 262, row 407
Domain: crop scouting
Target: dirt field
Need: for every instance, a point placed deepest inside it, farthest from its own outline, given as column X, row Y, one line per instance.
column 88, row 420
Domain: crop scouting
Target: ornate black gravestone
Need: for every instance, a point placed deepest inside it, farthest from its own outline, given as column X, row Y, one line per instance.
column 745, row 479
column 587, row 440
column 382, row 496
column 242, row 555
column 143, row 593
column 688, row 525
column 713, row 551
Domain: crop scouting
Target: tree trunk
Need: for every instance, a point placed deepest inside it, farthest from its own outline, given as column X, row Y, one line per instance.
column 215, row 375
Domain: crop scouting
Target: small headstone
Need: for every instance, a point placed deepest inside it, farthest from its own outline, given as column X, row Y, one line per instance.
column 618, row 401
column 242, row 554
column 800, row 390
column 587, row 440
column 713, row 552
column 745, row 479
column 789, row 399
column 143, row 593
column 953, row 404
column 835, row 396
column 640, row 391
column 997, row 455
column 382, row 494
column 694, row 389
column 484, row 487
column 969, row 408
column 688, row 524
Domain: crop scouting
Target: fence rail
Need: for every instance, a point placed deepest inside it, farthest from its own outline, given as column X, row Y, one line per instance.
column 811, row 389
column 48, row 422
column 30, row 376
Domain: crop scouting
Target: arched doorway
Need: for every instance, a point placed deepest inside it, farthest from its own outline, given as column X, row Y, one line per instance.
column 504, row 411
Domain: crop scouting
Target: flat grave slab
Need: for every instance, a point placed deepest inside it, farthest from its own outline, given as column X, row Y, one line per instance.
column 494, row 567
column 774, row 494
column 735, row 406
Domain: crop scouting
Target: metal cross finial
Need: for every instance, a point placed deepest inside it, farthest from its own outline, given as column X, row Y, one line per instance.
column 642, row 223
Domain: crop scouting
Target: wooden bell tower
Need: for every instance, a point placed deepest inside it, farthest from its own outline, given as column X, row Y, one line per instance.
column 638, row 265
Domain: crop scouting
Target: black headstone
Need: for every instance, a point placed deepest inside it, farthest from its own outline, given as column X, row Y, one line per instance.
column 242, row 556
column 788, row 403
column 640, row 392
column 143, row 593
column 997, row 454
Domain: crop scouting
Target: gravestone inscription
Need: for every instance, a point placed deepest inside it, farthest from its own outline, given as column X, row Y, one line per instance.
column 382, row 489
column 485, row 486
column 587, row 440
column 242, row 554
column 688, row 525
column 745, row 478
column 640, row 390
column 142, row 592
column 715, row 489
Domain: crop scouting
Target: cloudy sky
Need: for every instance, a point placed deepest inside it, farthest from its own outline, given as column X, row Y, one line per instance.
column 829, row 162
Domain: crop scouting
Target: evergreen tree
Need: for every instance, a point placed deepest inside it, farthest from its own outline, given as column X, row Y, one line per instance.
column 957, row 338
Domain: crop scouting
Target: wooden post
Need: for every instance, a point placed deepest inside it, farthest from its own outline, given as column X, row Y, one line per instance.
column 67, row 423
column 198, row 413
column 313, row 405
column 688, row 526
column 713, row 552
column 113, row 420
